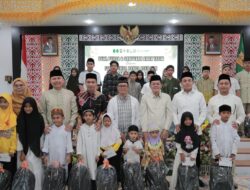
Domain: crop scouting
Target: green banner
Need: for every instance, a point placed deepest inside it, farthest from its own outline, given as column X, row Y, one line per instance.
column 240, row 55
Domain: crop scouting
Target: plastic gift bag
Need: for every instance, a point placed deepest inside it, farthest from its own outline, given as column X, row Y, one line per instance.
column 133, row 179
column 221, row 178
column 106, row 178
column 187, row 178
column 79, row 178
column 5, row 178
column 156, row 173
column 54, row 177
column 24, row 179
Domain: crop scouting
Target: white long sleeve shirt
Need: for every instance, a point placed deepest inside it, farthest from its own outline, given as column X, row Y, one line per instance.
column 238, row 113
column 193, row 102
column 224, row 139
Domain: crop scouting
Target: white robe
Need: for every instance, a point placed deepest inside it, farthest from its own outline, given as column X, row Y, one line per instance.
column 88, row 145
column 35, row 165
column 224, row 139
column 58, row 144
column 177, row 162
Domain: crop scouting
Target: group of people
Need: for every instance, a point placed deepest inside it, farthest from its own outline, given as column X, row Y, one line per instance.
column 127, row 123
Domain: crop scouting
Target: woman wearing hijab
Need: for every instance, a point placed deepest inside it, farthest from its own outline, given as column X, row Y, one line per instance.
column 20, row 92
column 8, row 139
column 187, row 143
column 30, row 127
column 140, row 78
column 73, row 81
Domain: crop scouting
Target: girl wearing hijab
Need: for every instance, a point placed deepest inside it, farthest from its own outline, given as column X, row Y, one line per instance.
column 140, row 78
column 30, row 127
column 8, row 138
column 73, row 81
column 154, row 147
column 110, row 143
column 20, row 92
column 187, row 143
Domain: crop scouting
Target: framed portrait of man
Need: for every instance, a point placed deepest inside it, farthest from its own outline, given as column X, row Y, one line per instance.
column 49, row 45
column 213, row 44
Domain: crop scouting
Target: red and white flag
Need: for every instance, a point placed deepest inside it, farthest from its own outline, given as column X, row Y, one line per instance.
column 23, row 59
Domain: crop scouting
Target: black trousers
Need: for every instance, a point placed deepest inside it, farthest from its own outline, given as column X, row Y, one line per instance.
column 198, row 158
column 115, row 162
column 93, row 185
column 11, row 166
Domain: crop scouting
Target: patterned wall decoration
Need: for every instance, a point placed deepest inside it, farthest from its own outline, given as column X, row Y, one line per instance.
column 192, row 53
column 69, row 53
column 48, row 63
column 33, row 53
column 214, row 61
column 142, row 37
column 230, row 44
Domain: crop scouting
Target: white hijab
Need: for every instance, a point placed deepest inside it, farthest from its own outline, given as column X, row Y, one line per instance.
column 109, row 135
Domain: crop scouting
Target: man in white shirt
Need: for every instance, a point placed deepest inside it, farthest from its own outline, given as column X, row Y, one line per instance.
column 146, row 87
column 235, row 86
column 124, row 108
column 90, row 66
column 190, row 100
column 156, row 107
column 225, row 97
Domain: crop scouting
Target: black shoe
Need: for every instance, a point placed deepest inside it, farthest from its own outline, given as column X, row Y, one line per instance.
column 235, row 186
column 201, row 183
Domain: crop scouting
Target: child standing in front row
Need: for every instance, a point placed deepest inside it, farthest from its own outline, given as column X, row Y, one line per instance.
column 8, row 138
column 88, row 144
column 224, row 139
column 132, row 168
column 153, row 160
column 57, row 144
column 187, row 142
column 111, row 142
column 30, row 127
column 154, row 147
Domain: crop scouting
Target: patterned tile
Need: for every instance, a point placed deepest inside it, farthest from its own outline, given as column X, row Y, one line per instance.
column 192, row 53
column 34, row 74
column 230, row 44
column 69, row 53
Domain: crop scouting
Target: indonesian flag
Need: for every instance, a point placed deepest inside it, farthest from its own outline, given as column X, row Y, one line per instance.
column 23, row 59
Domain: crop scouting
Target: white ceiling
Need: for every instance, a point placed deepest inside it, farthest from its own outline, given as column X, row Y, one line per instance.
column 125, row 15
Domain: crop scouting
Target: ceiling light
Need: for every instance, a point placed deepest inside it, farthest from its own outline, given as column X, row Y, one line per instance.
column 89, row 21
column 174, row 21
column 131, row 4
